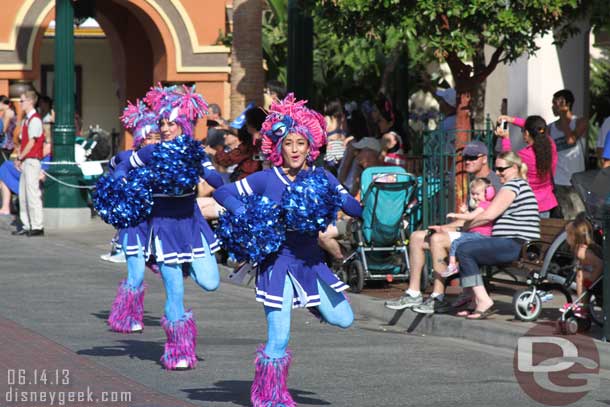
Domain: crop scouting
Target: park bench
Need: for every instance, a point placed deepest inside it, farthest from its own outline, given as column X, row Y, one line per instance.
column 531, row 258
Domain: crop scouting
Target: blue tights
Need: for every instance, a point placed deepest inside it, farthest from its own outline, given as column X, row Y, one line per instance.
column 135, row 266
column 203, row 270
column 333, row 306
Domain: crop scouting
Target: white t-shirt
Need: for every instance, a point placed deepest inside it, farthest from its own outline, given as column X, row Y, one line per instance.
column 603, row 132
column 570, row 157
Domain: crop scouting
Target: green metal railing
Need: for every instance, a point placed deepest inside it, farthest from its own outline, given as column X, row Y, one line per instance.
column 439, row 176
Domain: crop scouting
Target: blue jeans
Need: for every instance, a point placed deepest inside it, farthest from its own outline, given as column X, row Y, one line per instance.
column 464, row 237
column 484, row 252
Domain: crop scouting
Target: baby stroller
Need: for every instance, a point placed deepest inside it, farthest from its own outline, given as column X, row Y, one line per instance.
column 379, row 238
column 572, row 320
column 557, row 272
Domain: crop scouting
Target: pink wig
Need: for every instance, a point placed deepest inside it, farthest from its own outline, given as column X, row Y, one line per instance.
column 182, row 105
column 140, row 120
column 291, row 116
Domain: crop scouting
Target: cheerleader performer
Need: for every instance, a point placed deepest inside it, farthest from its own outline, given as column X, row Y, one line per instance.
column 127, row 312
column 178, row 233
column 296, row 275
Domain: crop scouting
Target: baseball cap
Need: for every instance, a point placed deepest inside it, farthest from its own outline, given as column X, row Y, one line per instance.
column 606, row 152
column 448, row 95
column 368, row 142
column 475, row 148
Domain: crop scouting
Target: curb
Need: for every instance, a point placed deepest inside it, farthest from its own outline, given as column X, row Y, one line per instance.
column 487, row 332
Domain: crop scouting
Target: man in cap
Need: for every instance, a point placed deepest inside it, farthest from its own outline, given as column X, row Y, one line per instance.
column 438, row 239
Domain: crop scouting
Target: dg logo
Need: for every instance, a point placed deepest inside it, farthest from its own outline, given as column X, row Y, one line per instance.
column 554, row 369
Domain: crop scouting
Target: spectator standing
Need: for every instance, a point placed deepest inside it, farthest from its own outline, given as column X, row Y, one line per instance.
column 335, row 125
column 28, row 161
column 568, row 132
column 540, row 156
column 603, row 134
column 9, row 122
column 216, row 126
column 357, row 129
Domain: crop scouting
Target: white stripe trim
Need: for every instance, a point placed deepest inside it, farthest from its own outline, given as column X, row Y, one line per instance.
column 247, row 187
column 137, row 160
column 240, row 190
column 279, row 175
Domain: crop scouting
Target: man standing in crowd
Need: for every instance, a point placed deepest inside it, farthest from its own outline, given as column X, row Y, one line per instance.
column 438, row 242
column 569, row 134
column 28, row 161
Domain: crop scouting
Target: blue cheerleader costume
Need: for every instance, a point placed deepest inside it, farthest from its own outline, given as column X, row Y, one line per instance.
column 299, row 260
column 177, row 229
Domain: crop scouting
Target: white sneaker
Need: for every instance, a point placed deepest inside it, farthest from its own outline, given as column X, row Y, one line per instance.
column 182, row 364
column 118, row 257
column 136, row 328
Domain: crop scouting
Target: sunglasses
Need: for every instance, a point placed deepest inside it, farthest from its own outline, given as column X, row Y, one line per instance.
column 471, row 157
column 502, row 169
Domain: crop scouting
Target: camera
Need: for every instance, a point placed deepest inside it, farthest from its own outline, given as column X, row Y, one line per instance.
column 504, row 125
column 258, row 157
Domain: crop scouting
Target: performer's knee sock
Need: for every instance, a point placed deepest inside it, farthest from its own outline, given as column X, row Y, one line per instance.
column 204, row 270
column 334, row 307
column 174, row 291
column 278, row 324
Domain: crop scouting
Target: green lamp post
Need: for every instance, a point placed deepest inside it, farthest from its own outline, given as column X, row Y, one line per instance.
column 300, row 50
column 65, row 205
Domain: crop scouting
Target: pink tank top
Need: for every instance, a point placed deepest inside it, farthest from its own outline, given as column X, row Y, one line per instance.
column 485, row 229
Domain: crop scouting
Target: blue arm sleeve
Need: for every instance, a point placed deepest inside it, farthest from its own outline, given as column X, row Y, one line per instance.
column 350, row 205
column 119, row 158
column 228, row 194
column 211, row 176
column 137, row 159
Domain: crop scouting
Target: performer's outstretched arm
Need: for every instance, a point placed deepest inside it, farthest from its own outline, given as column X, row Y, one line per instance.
column 350, row 205
column 210, row 175
column 228, row 194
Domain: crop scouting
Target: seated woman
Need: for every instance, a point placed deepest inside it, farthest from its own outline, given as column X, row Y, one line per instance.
column 516, row 218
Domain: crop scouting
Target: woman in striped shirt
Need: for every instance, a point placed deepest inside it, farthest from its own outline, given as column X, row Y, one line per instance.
column 517, row 220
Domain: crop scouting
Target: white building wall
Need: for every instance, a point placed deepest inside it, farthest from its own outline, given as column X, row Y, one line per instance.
column 100, row 104
column 531, row 81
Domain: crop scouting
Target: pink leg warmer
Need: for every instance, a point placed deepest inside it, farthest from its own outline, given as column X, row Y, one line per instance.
column 127, row 308
column 181, row 341
column 269, row 388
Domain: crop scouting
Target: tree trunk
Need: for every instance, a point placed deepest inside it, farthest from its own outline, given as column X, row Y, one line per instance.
column 478, row 94
column 247, row 74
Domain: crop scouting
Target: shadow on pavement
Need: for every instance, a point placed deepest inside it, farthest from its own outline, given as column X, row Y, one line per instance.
column 143, row 350
column 238, row 392
column 148, row 319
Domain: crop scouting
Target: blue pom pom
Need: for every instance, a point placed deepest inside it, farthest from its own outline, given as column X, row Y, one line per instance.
column 177, row 165
column 126, row 201
column 310, row 203
column 255, row 233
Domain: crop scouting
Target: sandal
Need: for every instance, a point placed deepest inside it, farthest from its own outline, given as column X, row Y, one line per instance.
column 464, row 313
column 477, row 314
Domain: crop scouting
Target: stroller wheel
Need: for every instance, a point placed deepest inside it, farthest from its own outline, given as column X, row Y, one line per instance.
column 526, row 305
column 355, row 276
column 568, row 326
column 596, row 310
column 342, row 275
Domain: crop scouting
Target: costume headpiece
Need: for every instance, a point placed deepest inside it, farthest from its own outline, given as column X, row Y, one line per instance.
column 181, row 105
column 291, row 116
column 140, row 120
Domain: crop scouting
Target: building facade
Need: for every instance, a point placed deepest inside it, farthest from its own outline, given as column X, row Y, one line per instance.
column 134, row 44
